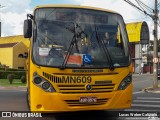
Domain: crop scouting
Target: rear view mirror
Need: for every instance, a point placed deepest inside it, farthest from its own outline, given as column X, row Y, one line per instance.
column 27, row 28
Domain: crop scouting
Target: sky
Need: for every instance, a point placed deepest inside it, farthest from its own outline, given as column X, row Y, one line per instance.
column 13, row 12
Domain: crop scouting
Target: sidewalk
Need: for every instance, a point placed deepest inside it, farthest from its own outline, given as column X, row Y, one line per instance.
column 13, row 87
column 144, row 74
column 149, row 89
column 152, row 90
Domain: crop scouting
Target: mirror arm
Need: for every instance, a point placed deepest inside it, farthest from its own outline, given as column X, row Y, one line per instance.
column 30, row 16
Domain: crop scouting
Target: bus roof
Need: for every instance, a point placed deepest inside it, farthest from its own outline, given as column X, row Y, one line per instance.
column 74, row 6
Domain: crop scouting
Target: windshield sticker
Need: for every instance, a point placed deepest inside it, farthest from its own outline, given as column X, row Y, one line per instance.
column 75, row 59
column 44, row 51
column 87, row 59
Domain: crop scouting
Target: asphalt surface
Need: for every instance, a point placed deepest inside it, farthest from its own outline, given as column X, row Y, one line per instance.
column 143, row 81
column 146, row 102
column 14, row 99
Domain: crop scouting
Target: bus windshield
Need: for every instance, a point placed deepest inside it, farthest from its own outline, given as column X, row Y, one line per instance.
column 79, row 38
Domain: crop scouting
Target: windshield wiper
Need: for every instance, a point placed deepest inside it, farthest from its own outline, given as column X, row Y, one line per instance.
column 101, row 43
column 74, row 41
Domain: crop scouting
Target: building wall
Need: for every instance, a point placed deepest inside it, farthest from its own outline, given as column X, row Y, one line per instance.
column 6, row 56
column 20, row 48
column 138, row 56
column 14, row 39
column 132, row 52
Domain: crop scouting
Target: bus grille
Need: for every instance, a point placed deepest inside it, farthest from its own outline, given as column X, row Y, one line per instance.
column 98, row 87
column 77, row 103
column 52, row 78
column 70, row 89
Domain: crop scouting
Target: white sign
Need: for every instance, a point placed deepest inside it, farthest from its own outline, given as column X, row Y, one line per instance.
column 142, row 64
column 155, row 60
column 44, row 51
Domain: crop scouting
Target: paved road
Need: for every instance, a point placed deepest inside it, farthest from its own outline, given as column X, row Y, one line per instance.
column 141, row 102
column 142, row 81
column 146, row 102
column 14, row 100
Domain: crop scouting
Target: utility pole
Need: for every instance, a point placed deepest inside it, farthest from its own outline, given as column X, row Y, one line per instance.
column 155, row 48
column 155, row 33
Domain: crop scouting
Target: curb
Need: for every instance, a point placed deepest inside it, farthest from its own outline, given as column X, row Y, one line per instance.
column 22, row 86
column 142, row 75
column 150, row 90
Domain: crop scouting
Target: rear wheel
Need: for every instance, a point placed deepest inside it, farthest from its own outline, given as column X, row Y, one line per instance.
column 28, row 100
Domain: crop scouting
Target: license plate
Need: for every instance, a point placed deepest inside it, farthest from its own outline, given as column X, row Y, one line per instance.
column 88, row 100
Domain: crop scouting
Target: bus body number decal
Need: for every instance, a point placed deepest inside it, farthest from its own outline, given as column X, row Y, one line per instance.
column 76, row 79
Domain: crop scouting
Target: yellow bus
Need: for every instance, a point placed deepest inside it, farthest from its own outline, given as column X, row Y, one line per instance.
column 78, row 59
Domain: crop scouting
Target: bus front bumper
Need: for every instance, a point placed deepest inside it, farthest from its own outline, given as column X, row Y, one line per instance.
column 58, row 102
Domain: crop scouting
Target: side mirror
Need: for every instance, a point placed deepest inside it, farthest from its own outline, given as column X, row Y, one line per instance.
column 27, row 28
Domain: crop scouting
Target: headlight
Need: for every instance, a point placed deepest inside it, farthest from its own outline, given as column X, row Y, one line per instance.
column 37, row 80
column 125, row 82
column 43, row 84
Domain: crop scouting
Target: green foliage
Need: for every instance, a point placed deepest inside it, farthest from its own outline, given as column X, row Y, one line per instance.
column 2, row 69
column 10, row 77
column 23, row 79
column 17, row 74
column 11, row 69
